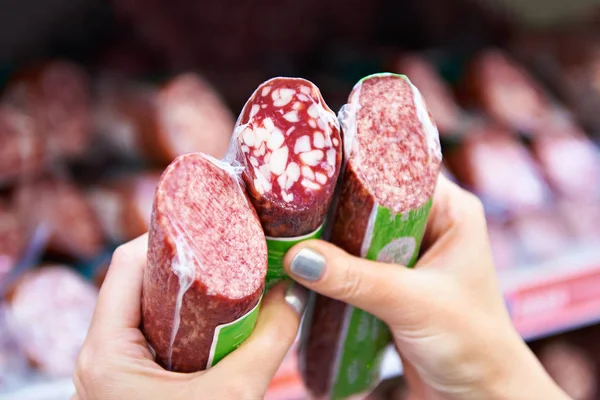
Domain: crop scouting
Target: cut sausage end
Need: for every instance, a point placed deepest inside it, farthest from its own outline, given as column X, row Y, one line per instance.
column 206, row 217
column 393, row 132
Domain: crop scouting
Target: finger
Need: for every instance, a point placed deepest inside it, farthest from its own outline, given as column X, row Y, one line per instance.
column 118, row 305
column 330, row 271
column 456, row 216
column 256, row 361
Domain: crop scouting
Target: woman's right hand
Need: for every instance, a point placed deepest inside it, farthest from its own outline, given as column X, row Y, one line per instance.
column 447, row 315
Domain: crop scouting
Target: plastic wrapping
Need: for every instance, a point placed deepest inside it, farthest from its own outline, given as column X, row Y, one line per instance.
column 392, row 162
column 207, row 262
column 289, row 142
column 50, row 310
column 159, row 123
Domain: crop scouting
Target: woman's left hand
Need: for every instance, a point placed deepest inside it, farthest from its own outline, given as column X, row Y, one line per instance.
column 115, row 362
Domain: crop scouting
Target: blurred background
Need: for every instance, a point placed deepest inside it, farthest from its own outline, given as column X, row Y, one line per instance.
column 98, row 97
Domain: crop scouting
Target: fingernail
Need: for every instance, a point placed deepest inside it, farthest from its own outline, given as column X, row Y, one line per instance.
column 297, row 297
column 308, row 265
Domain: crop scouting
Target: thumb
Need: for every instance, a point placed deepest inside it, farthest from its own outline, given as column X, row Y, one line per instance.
column 377, row 288
column 253, row 365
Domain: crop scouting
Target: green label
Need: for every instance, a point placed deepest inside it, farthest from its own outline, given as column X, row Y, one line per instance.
column 229, row 337
column 277, row 247
column 391, row 238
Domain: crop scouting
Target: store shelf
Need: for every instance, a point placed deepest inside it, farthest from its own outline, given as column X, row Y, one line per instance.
column 557, row 296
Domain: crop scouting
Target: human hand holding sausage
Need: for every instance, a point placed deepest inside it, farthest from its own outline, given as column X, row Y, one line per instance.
column 447, row 316
column 115, row 361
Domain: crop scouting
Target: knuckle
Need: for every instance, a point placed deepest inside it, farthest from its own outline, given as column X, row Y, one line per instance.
column 350, row 285
column 472, row 207
column 121, row 254
column 86, row 367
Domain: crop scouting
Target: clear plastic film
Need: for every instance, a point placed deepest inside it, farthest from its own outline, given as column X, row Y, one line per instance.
column 381, row 215
column 206, row 264
column 288, row 140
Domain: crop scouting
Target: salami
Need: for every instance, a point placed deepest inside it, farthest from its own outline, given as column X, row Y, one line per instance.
column 582, row 219
column 124, row 206
column 503, row 245
column 499, row 169
column 13, row 363
column 392, row 164
column 569, row 160
column 57, row 95
column 541, row 235
column 63, row 208
column 506, row 92
column 13, row 239
column 207, row 261
column 289, row 141
column 21, row 147
column 440, row 99
column 184, row 115
column 571, row 368
column 51, row 309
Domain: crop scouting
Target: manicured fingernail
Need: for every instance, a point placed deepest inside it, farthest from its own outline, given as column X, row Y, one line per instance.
column 308, row 265
column 297, row 297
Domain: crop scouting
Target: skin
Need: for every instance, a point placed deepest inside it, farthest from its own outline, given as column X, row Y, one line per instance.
column 115, row 362
column 447, row 316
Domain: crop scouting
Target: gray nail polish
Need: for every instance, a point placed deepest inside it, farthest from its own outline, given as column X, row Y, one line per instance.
column 308, row 264
column 297, row 297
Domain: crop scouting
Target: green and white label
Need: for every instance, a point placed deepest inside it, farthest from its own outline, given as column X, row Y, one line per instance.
column 277, row 247
column 228, row 337
column 391, row 238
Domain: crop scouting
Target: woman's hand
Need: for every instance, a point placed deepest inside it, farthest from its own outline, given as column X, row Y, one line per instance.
column 447, row 315
column 115, row 362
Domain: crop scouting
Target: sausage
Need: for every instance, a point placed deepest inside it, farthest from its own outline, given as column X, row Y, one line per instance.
column 57, row 95
column 51, row 308
column 499, row 169
column 13, row 239
column 75, row 232
column 568, row 62
column 542, row 235
column 569, row 160
column 571, row 368
column 582, row 219
column 13, row 362
column 182, row 116
column 502, row 243
column 124, row 206
column 380, row 216
column 289, row 141
column 440, row 99
column 191, row 290
column 503, row 90
column 21, row 147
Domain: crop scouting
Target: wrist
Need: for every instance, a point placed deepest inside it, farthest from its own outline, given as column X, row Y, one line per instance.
column 518, row 375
